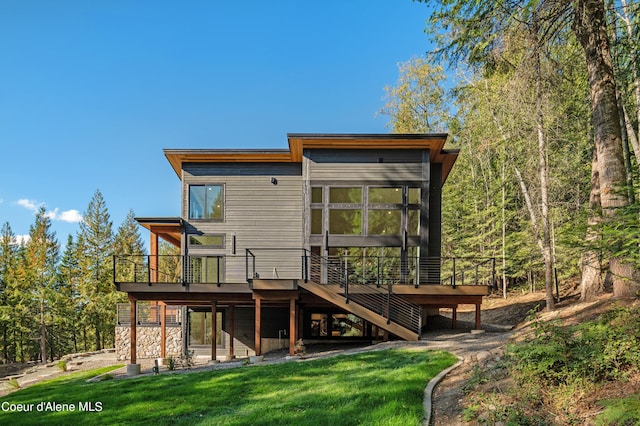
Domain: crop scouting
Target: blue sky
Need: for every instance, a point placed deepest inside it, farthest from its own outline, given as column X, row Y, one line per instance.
column 91, row 92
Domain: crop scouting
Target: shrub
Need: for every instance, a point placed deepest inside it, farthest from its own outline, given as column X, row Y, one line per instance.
column 62, row 365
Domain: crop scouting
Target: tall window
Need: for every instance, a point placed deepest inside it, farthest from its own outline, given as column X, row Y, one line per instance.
column 206, row 202
column 365, row 210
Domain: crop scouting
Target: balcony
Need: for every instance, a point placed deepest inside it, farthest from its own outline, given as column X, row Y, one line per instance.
column 169, row 269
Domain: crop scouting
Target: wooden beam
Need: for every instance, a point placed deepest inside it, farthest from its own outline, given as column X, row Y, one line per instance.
column 231, row 326
column 163, row 329
column 132, row 318
column 213, row 330
column 293, row 329
column 454, row 318
column 478, row 323
column 153, row 258
column 258, row 346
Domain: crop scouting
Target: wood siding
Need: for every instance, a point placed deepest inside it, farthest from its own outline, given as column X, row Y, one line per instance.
column 380, row 166
column 260, row 214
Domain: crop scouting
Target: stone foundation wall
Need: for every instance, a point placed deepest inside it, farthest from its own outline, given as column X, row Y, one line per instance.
column 148, row 339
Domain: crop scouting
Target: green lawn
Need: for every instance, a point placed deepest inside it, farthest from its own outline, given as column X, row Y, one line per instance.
column 380, row 387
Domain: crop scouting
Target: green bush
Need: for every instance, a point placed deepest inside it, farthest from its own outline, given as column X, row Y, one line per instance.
column 625, row 411
column 559, row 363
column 607, row 348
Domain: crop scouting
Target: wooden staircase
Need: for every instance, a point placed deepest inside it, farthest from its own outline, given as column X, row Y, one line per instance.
column 331, row 293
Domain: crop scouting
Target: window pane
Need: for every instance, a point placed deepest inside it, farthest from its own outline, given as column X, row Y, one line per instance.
column 318, row 325
column 385, row 195
column 345, row 222
column 316, row 195
column 206, row 240
column 316, row 221
column 346, row 325
column 345, row 195
column 384, row 222
column 414, row 195
column 196, row 201
column 205, row 202
column 214, row 202
column 413, row 228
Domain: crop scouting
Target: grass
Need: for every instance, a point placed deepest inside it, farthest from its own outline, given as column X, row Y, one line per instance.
column 377, row 388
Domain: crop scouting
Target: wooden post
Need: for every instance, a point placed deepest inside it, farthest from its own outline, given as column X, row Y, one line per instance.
column 454, row 318
column 293, row 329
column 163, row 329
column 132, row 317
column 478, row 323
column 258, row 346
column 213, row 330
column 231, row 327
column 153, row 258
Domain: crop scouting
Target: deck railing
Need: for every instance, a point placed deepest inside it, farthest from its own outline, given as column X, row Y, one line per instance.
column 148, row 314
column 168, row 269
column 374, row 293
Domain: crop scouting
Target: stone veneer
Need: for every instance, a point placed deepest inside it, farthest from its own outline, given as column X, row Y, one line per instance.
column 148, row 339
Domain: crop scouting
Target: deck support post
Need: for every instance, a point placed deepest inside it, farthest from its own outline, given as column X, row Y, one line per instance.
column 454, row 318
column 293, row 329
column 214, row 327
column 153, row 258
column 231, row 329
column 163, row 329
column 478, row 323
column 258, row 348
column 133, row 339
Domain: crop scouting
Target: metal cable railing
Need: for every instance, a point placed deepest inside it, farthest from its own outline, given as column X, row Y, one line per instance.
column 362, row 286
column 168, row 269
column 148, row 314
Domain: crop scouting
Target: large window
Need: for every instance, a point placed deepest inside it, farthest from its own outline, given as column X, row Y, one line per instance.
column 200, row 328
column 365, row 210
column 206, row 202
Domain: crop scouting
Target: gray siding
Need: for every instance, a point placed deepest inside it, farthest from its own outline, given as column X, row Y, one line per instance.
column 363, row 165
column 259, row 213
column 435, row 211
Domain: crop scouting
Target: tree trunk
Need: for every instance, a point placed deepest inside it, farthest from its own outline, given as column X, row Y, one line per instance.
column 544, row 175
column 98, row 339
column 590, row 27
column 43, row 335
column 591, row 283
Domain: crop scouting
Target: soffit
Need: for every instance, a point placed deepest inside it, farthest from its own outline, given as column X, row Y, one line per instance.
column 298, row 142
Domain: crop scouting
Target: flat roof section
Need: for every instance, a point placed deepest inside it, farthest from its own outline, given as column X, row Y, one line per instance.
column 298, row 142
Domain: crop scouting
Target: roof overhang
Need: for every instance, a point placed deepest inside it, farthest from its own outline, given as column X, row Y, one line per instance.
column 298, row 142
column 167, row 228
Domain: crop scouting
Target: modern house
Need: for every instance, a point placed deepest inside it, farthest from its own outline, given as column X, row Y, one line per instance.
column 336, row 238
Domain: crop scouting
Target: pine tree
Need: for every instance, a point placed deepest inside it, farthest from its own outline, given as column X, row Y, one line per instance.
column 128, row 240
column 67, row 306
column 8, row 264
column 96, row 290
column 41, row 257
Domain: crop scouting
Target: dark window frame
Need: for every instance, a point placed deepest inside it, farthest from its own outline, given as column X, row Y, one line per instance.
column 205, row 185
column 206, row 246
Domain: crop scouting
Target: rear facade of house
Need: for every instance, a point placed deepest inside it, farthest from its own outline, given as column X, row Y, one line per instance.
column 335, row 239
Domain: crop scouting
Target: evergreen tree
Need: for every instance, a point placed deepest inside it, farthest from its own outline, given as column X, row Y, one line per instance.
column 97, row 294
column 128, row 240
column 8, row 265
column 67, row 306
column 41, row 257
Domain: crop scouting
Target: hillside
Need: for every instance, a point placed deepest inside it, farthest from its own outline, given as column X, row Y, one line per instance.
column 485, row 391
